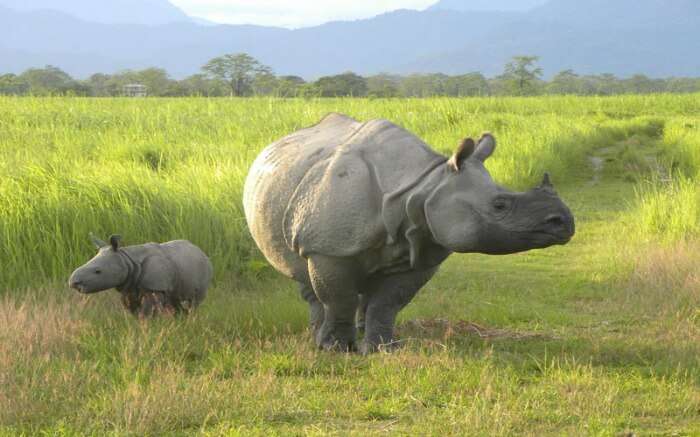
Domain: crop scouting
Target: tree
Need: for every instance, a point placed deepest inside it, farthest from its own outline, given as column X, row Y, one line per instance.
column 640, row 84
column 290, row 86
column 346, row 84
column 50, row 80
column 264, row 84
column 523, row 74
column 471, row 84
column 11, row 84
column 606, row 84
column 383, row 85
column 683, row 85
column 237, row 70
column 202, row 85
column 565, row 82
column 156, row 79
column 100, row 85
column 424, row 85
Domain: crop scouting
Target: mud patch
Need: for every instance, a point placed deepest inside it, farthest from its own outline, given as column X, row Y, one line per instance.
column 445, row 329
column 598, row 164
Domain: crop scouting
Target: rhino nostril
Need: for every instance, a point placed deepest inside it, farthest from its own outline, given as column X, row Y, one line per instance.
column 554, row 220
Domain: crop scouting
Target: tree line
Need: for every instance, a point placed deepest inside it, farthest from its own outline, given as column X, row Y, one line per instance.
column 242, row 75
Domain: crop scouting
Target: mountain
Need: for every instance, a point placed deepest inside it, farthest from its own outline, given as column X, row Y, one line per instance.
column 365, row 46
column 147, row 12
column 487, row 5
column 623, row 37
column 652, row 15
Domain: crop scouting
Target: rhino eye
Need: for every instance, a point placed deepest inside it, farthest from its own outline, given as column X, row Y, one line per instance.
column 98, row 271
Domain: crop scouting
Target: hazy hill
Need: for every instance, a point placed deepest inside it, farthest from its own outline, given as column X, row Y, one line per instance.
column 487, row 5
column 651, row 15
column 150, row 12
column 624, row 37
column 654, row 37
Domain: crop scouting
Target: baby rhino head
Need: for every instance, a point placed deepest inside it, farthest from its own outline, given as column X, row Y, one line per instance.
column 108, row 269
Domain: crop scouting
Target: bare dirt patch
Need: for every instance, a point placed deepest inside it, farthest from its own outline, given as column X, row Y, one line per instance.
column 446, row 329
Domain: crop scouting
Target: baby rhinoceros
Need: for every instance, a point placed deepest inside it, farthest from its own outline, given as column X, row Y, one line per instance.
column 152, row 278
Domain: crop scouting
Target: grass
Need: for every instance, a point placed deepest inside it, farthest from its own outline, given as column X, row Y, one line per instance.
column 599, row 337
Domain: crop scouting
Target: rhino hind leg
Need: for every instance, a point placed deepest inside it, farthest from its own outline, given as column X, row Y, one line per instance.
column 316, row 314
column 386, row 296
column 335, row 282
column 361, row 315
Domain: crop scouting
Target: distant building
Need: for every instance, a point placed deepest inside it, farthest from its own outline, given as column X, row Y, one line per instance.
column 135, row 90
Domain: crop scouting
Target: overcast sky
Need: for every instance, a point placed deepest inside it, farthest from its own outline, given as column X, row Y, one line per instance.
column 292, row 13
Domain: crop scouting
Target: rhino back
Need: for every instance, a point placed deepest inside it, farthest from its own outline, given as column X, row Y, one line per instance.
column 194, row 269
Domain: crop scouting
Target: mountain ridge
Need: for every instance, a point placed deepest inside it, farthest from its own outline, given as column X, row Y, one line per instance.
column 661, row 38
column 145, row 12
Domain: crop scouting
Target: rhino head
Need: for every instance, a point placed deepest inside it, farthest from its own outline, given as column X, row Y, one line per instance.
column 469, row 212
column 108, row 269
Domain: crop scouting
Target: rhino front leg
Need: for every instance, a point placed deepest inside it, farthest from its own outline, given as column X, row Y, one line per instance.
column 336, row 283
column 386, row 297
column 316, row 315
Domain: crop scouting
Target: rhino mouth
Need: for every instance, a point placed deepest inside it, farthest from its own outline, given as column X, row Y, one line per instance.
column 545, row 237
column 82, row 288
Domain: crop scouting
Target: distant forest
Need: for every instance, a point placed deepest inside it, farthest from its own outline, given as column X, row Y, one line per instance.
column 242, row 75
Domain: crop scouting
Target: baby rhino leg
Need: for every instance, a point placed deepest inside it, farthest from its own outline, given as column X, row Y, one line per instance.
column 152, row 304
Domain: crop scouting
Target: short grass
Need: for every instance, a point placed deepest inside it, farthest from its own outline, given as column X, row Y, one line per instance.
column 599, row 337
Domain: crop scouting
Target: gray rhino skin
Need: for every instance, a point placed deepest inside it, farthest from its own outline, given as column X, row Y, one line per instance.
column 152, row 278
column 362, row 215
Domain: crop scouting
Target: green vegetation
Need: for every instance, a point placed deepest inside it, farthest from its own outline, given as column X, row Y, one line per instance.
column 242, row 75
column 599, row 337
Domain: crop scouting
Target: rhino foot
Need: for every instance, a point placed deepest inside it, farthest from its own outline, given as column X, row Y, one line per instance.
column 338, row 346
column 338, row 338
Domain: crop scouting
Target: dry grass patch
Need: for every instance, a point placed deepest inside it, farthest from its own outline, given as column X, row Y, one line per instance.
column 37, row 327
column 37, row 333
column 665, row 287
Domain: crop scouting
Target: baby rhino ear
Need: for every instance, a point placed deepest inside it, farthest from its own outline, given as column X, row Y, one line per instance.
column 114, row 242
column 463, row 152
column 97, row 242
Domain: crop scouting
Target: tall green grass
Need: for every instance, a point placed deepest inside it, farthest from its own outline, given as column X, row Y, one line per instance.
column 159, row 169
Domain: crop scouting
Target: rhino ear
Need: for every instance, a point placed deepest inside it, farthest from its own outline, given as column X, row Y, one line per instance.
column 114, row 242
column 486, row 147
column 96, row 241
column 463, row 152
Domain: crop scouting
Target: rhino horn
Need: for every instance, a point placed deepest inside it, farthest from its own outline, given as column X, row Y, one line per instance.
column 96, row 241
column 546, row 183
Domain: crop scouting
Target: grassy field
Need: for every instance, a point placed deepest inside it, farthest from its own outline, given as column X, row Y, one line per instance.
column 599, row 337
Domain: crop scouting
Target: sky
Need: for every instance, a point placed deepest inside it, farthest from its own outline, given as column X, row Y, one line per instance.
column 292, row 13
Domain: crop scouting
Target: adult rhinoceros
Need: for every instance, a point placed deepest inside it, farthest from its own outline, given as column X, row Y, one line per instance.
column 362, row 214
